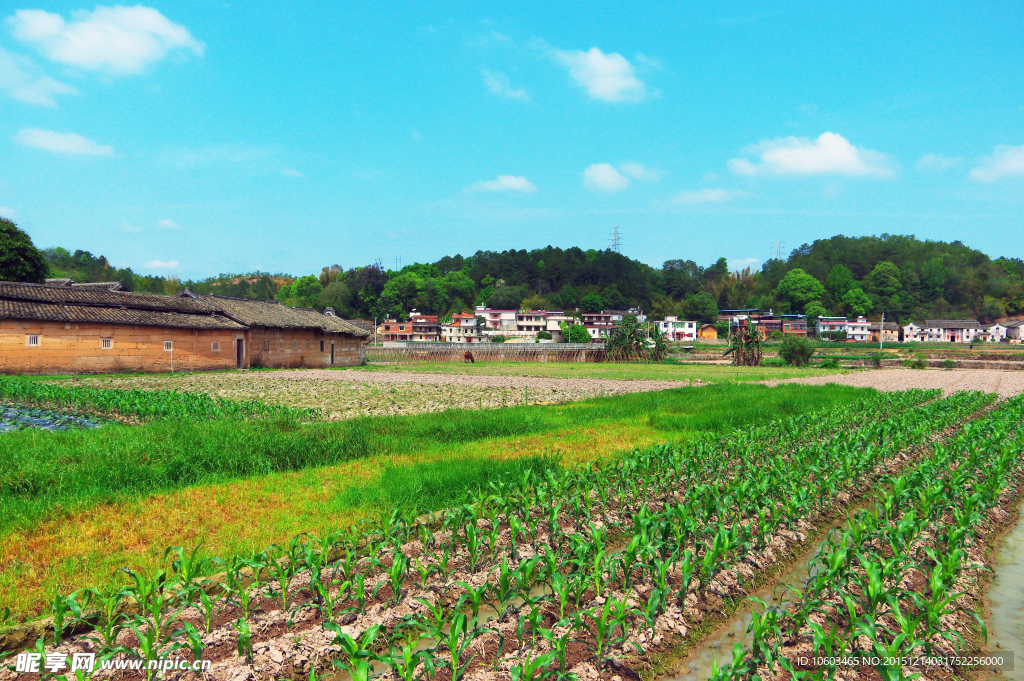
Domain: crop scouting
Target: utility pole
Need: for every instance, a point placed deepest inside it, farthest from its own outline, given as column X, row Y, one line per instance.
column 616, row 240
column 881, row 333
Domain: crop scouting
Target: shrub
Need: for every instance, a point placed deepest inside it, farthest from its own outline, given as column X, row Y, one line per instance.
column 796, row 351
column 498, row 339
column 948, row 364
column 829, row 364
column 875, row 359
column 543, row 335
column 917, row 362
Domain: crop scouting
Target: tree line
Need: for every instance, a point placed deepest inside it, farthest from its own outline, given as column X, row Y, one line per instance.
column 906, row 278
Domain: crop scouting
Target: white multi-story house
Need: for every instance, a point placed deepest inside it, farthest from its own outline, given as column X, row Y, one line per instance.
column 913, row 332
column 462, row 329
column 859, row 330
column 677, row 330
column 830, row 325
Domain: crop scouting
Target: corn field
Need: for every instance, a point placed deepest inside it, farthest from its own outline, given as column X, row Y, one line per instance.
column 592, row 569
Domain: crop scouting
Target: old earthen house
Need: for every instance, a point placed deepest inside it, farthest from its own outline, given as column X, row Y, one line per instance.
column 76, row 329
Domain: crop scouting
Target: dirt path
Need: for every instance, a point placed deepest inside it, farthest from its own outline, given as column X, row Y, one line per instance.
column 585, row 385
column 1003, row 383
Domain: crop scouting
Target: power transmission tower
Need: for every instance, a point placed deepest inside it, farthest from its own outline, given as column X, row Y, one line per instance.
column 778, row 250
column 616, row 239
column 398, row 263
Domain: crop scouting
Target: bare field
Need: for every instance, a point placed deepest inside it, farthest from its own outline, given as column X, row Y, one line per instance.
column 348, row 393
column 1003, row 383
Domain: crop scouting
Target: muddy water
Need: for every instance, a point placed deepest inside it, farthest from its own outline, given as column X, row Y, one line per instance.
column 717, row 648
column 1006, row 599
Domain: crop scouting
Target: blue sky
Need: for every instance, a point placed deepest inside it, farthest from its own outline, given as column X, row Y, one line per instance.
column 193, row 138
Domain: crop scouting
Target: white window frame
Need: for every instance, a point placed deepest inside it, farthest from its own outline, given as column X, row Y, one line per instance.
column 215, row 346
column 168, row 346
column 33, row 340
column 106, row 343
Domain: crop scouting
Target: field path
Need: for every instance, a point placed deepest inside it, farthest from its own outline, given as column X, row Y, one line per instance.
column 1003, row 383
column 588, row 386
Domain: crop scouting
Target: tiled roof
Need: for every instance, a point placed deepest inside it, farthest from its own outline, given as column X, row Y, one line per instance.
column 273, row 313
column 61, row 304
column 74, row 295
column 12, row 309
column 951, row 324
column 108, row 285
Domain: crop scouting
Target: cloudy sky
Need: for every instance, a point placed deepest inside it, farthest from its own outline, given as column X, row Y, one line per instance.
column 196, row 137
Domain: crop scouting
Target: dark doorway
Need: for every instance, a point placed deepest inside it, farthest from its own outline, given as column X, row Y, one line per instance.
column 239, row 353
column 332, row 353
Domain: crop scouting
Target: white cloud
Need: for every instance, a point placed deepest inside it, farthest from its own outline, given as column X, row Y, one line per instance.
column 241, row 154
column 504, row 183
column 693, row 197
column 1005, row 161
column 936, row 162
column 61, row 142
column 640, row 172
column 116, row 40
column 168, row 224
column 162, row 264
column 23, row 81
column 498, row 83
column 291, row 172
column 130, row 228
column 8, row 213
column 603, row 177
column 740, row 264
column 608, row 77
column 830, row 154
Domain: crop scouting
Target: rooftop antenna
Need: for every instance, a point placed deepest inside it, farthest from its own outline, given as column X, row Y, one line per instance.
column 616, row 240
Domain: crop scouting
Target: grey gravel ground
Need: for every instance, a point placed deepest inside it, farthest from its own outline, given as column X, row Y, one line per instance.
column 1003, row 383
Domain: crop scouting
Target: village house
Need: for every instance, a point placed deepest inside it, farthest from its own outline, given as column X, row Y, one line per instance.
column 462, row 329
column 707, row 331
column 395, row 330
column 676, row 330
column 80, row 329
column 889, row 334
column 943, row 330
column 858, row 330
column 425, row 327
column 992, row 333
column 829, row 325
column 1015, row 331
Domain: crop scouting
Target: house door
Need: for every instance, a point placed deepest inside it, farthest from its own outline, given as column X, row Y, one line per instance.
column 239, row 353
column 332, row 353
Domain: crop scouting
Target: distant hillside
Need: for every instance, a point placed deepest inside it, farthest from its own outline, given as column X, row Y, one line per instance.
column 903, row 276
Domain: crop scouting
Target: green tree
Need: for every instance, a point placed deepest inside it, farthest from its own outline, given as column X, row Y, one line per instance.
column 592, row 303
column 858, row 301
column 577, row 333
column 20, row 260
column 838, row 282
column 796, row 351
column 701, row 307
column 813, row 310
column 799, row 288
column 885, row 279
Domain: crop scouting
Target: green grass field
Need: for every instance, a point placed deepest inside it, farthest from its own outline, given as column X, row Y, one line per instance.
column 74, row 506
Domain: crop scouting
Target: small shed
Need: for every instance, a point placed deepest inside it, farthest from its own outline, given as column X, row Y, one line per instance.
column 707, row 331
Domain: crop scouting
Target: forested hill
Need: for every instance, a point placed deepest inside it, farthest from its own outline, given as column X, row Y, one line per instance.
column 905, row 277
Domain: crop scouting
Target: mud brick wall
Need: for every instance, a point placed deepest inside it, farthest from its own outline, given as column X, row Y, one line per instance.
column 77, row 348
column 293, row 348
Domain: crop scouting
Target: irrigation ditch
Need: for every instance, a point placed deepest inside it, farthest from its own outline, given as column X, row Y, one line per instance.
column 614, row 570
